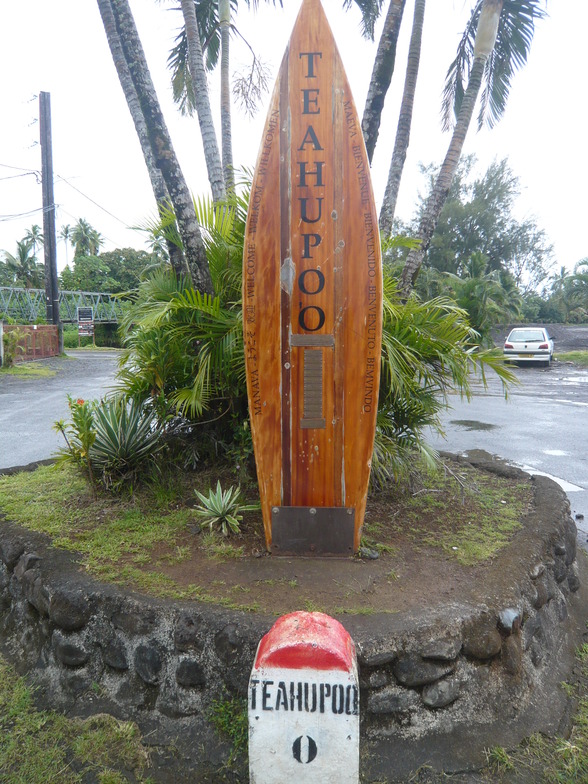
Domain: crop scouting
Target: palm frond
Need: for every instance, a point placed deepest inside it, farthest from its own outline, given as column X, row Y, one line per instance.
column 510, row 54
column 370, row 13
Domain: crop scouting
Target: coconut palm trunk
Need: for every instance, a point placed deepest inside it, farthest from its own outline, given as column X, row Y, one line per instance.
column 484, row 44
column 381, row 76
column 161, row 146
column 224, row 12
column 155, row 176
column 404, row 122
column 202, row 102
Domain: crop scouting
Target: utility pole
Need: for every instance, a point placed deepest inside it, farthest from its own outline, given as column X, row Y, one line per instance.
column 49, row 242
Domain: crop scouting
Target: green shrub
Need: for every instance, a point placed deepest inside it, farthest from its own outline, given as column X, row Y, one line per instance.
column 12, row 345
column 127, row 439
column 222, row 508
column 79, row 435
column 110, row 440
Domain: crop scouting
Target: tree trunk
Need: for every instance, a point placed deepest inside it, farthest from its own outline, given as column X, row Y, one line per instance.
column 381, row 76
column 224, row 9
column 157, row 182
column 202, row 102
column 483, row 46
column 162, row 148
column 404, row 122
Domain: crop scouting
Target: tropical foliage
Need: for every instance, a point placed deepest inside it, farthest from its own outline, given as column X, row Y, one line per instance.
column 183, row 356
column 21, row 268
column 109, row 440
column 115, row 271
column 428, row 350
column 222, row 509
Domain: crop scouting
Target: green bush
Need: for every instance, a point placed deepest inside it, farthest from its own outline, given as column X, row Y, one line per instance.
column 127, row 439
column 110, row 440
column 222, row 509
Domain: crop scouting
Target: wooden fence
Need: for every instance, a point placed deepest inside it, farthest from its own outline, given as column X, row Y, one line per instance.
column 20, row 343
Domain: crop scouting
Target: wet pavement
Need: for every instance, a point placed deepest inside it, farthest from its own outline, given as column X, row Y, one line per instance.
column 542, row 427
column 29, row 406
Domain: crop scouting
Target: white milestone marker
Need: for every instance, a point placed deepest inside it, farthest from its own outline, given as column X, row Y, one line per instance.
column 304, row 703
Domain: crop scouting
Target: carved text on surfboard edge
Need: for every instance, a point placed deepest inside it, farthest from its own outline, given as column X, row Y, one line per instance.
column 250, row 313
column 268, row 141
column 372, row 314
column 350, row 118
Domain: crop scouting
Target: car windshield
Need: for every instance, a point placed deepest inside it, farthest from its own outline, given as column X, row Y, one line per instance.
column 526, row 336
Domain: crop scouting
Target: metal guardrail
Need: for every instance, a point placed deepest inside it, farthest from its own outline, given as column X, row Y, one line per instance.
column 28, row 306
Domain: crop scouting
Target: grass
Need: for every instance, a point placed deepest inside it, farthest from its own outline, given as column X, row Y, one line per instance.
column 151, row 541
column 577, row 357
column 44, row 747
column 117, row 539
column 27, row 370
column 474, row 514
column 230, row 720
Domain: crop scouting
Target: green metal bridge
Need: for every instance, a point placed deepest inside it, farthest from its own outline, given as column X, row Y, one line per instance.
column 28, row 306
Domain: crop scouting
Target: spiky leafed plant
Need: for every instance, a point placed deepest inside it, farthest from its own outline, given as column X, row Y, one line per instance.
column 126, row 438
column 222, row 509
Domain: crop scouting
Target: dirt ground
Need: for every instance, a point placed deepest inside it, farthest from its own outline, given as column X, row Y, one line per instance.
column 416, row 554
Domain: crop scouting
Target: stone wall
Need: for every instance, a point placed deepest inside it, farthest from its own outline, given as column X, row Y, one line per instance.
column 437, row 687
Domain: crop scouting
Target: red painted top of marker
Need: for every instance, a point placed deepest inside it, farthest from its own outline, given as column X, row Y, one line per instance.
column 306, row 640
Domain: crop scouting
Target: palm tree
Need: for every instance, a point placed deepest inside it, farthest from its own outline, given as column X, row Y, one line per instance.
column 158, row 185
column 23, row 266
column 383, row 65
column 161, row 144
column 513, row 41
column 489, row 297
column 201, row 100
column 488, row 21
column 35, row 236
column 211, row 19
column 65, row 235
column 85, row 239
column 224, row 15
column 404, row 122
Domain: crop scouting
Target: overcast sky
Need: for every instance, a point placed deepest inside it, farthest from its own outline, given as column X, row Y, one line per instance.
column 60, row 47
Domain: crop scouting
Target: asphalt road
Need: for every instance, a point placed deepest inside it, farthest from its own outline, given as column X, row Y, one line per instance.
column 30, row 406
column 542, row 427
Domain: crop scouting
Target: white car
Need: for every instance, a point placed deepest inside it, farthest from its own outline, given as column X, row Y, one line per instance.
column 529, row 344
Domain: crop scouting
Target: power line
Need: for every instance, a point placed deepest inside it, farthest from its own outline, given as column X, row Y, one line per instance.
column 95, row 203
column 27, row 172
column 16, row 176
column 16, row 216
column 20, row 168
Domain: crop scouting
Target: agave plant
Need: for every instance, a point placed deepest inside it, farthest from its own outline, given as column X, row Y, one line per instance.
column 222, row 509
column 126, row 439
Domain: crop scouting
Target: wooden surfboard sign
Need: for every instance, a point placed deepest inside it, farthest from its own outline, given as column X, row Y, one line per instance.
column 312, row 303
